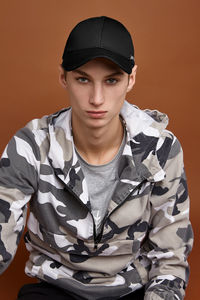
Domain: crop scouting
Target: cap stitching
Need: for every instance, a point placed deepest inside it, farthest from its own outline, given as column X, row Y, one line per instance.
column 100, row 39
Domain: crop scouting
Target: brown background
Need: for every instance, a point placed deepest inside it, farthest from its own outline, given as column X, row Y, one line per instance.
column 166, row 37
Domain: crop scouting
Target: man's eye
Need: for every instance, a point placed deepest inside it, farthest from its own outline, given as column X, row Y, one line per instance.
column 111, row 80
column 82, row 79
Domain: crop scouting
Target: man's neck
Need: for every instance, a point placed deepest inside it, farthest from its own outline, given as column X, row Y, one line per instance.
column 98, row 145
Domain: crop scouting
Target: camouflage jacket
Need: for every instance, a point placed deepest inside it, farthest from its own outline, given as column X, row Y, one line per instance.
column 146, row 235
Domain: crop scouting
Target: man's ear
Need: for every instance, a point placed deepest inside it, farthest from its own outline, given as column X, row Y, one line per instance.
column 62, row 77
column 132, row 78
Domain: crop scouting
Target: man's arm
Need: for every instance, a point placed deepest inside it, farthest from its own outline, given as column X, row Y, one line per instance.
column 171, row 236
column 18, row 181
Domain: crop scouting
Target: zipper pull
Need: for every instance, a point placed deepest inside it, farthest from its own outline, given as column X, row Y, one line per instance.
column 95, row 245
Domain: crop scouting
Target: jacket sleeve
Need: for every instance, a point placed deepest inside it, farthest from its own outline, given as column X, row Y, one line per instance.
column 171, row 236
column 18, row 181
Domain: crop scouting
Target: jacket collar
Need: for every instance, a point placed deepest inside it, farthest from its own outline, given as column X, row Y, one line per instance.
column 144, row 130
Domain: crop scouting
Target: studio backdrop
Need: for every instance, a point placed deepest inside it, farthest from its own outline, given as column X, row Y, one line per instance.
column 166, row 38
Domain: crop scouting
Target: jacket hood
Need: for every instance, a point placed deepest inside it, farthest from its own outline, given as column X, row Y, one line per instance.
column 149, row 122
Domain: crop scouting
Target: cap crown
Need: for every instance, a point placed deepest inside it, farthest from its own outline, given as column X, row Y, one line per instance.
column 101, row 32
column 99, row 37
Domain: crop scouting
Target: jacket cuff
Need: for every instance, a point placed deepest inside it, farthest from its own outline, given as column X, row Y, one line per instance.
column 161, row 288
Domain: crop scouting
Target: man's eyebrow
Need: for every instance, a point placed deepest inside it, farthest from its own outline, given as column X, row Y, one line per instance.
column 80, row 72
column 116, row 73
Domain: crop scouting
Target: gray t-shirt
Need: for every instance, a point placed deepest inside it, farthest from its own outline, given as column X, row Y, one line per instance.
column 101, row 182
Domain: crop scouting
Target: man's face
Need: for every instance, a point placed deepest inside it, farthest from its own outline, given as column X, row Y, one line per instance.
column 96, row 92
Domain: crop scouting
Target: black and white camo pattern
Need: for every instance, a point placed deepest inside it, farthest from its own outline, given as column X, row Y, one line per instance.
column 146, row 235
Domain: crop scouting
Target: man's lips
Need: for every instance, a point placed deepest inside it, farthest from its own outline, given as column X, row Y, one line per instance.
column 96, row 111
column 96, row 114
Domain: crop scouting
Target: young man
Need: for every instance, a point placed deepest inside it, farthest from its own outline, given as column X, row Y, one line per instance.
column 105, row 183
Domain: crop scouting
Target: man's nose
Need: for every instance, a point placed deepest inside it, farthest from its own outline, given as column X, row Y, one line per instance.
column 96, row 96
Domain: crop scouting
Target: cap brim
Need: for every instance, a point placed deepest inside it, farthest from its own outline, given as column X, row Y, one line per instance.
column 74, row 59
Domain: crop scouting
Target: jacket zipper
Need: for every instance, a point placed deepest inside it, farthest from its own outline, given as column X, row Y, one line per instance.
column 97, row 238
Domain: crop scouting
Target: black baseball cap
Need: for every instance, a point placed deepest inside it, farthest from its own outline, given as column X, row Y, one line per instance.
column 99, row 37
